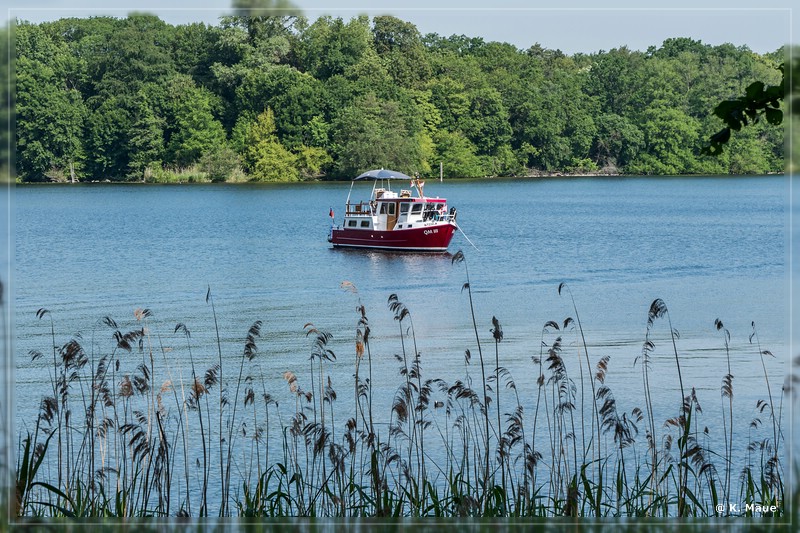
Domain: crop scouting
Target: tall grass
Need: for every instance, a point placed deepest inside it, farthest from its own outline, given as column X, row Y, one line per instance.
column 133, row 429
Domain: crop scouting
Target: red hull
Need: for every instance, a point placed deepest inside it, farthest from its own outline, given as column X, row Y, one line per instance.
column 424, row 239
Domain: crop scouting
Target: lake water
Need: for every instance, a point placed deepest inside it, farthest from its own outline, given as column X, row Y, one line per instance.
column 709, row 247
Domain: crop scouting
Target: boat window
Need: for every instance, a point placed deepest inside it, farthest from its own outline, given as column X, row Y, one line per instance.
column 365, row 223
column 351, row 223
column 391, row 209
column 383, row 208
column 417, row 209
column 404, row 208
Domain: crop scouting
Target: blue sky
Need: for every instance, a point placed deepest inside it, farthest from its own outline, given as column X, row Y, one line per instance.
column 569, row 25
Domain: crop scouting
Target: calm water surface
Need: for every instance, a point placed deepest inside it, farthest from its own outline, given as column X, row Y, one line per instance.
column 710, row 248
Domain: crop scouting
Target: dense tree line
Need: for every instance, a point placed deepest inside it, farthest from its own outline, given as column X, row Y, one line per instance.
column 284, row 98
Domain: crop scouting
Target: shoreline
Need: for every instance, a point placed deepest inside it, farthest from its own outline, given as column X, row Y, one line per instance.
column 532, row 175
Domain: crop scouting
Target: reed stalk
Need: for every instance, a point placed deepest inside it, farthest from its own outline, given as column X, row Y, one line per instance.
column 727, row 392
column 459, row 257
column 596, row 419
column 125, row 443
column 761, row 354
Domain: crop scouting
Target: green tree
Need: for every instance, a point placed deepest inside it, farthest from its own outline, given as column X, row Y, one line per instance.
column 311, row 162
column 136, row 51
column 374, row 134
column 109, row 125
column 661, row 86
column 557, row 122
column 747, row 156
column 458, row 155
column 316, row 132
column 50, row 123
column 503, row 162
column 670, row 136
column 724, row 72
column 193, row 130
column 146, row 138
column 617, row 142
column 264, row 156
column 451, row 100
column 330, row 46
column 257, row 37
column 195, row 47
column 370, row 75
column 486, row 122
column 614, row 79
column 50, row 110
column 295, row 98
column 399, row 45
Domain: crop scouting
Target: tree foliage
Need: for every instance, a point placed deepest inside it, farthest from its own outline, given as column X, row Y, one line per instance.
column 264, row 155
column 278, row 97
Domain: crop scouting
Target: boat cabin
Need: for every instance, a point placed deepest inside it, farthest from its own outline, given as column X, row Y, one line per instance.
column 389, row 210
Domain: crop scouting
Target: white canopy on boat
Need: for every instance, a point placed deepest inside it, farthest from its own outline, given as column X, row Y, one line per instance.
column 383, row 174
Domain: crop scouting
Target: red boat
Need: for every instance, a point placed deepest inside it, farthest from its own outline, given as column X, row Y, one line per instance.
column 395, row 220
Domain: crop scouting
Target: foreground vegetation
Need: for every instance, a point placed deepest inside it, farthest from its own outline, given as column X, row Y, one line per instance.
column 113, row 440
column 283, row 98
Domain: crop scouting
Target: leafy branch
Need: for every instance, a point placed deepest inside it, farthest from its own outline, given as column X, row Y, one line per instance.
column 759, row 100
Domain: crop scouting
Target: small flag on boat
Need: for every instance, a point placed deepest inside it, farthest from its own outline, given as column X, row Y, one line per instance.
column 331, row 213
